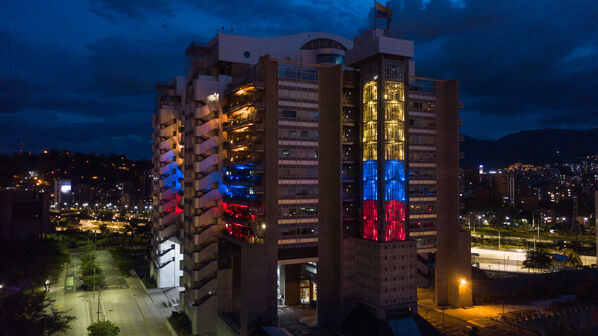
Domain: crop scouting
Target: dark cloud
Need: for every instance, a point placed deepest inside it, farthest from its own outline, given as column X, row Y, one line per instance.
column 521, row 65
column 511, row 58
column 134, row 9
column 125, row 66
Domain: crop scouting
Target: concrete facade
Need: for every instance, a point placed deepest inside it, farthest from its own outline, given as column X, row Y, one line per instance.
column 24, row 214
column 453, row 259
column 166, row 252
column 272, row 157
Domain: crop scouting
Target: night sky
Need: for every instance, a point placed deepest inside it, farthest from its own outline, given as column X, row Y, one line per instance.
column 80, row 74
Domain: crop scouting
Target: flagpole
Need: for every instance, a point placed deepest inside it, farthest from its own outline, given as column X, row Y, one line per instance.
column 374, row 27
column 388, row 16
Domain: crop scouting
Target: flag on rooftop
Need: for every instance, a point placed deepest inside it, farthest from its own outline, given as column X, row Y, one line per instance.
column 383, row 11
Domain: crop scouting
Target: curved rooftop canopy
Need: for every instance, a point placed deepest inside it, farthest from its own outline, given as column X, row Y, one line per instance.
column 323, row 43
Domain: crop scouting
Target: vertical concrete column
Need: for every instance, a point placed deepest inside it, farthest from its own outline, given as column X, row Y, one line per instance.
column 453, row 256
column 292, row 274
column 381, row 147
column 330, row 215
column 259, row 261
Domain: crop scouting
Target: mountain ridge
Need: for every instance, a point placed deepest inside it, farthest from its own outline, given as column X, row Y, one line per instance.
column 539, row 146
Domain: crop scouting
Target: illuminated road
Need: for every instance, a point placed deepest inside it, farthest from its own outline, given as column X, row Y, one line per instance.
column 123, row 302
column 509, row 260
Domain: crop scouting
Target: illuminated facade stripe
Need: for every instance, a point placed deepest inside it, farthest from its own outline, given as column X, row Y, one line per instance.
column 392, row 155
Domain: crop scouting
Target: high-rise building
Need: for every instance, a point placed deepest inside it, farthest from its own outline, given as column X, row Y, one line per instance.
column 24, row 214
column 317, row 170
column 63, row 193
column 166, row 255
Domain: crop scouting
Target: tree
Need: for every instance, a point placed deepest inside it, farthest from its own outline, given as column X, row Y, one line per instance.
column 31, row 314
column 103, row 328
column 88, row 258
column 29, row 263
column 91, row 281
column 573, row 256
column 539, row 259
column 104, row 228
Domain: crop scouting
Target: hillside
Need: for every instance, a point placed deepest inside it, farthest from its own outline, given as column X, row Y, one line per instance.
column 535, row 147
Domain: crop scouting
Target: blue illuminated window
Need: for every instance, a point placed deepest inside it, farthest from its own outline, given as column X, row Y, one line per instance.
column 394, row 191
column 370, row 190
column 394, row 170
column 370, row 170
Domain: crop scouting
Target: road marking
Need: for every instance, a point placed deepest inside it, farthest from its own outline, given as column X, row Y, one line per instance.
column 103, row 309
column 88, row 306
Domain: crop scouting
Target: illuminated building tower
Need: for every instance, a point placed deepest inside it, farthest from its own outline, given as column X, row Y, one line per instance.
column 383, row 256
column 63, row 194
column 251, row 168
column 166, row 250
column 297, row 180
column 201, row 227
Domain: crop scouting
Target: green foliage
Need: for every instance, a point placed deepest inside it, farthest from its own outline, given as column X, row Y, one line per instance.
column 89, row 266
column 539, row 259
column 126, row 259
column 91, row 272
column 103, row 328
column 104, row 228
column 31, row 314
column 88, row 258
column 573, row 256
column 89, row 281
column 29, row 263
column 83, row 241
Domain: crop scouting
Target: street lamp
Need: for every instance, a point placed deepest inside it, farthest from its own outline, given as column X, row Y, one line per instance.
column 463, row 282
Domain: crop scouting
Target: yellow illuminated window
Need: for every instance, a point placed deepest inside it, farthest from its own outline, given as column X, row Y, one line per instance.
column 370, row 151
column 394, row 128
column 395, row 151
column 370, row 121
column 395, row 91
column 370, row 92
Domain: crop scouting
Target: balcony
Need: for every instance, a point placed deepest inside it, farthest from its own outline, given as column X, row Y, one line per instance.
column 242, row 144
column 252, row 123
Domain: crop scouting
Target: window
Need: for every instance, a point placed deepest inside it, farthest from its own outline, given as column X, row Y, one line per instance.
column 289, row 114
column 322, row 43
column 329, row 59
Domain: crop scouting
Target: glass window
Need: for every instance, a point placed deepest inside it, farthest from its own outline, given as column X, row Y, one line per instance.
column 288, row 113
column 329, row 59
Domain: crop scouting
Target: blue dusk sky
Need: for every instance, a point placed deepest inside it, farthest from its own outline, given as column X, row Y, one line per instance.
column 80, row 74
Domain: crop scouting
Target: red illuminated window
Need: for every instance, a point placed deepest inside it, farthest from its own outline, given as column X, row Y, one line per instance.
column 395, row 220
column 370, row 220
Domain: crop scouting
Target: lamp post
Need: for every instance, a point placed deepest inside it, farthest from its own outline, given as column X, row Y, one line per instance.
column 443, row 308
column 498, row 239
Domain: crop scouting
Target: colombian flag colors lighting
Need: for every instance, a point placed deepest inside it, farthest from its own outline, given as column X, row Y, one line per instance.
column 393, row 184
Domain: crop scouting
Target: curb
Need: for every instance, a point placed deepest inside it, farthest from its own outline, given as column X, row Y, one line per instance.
column 171, row 329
